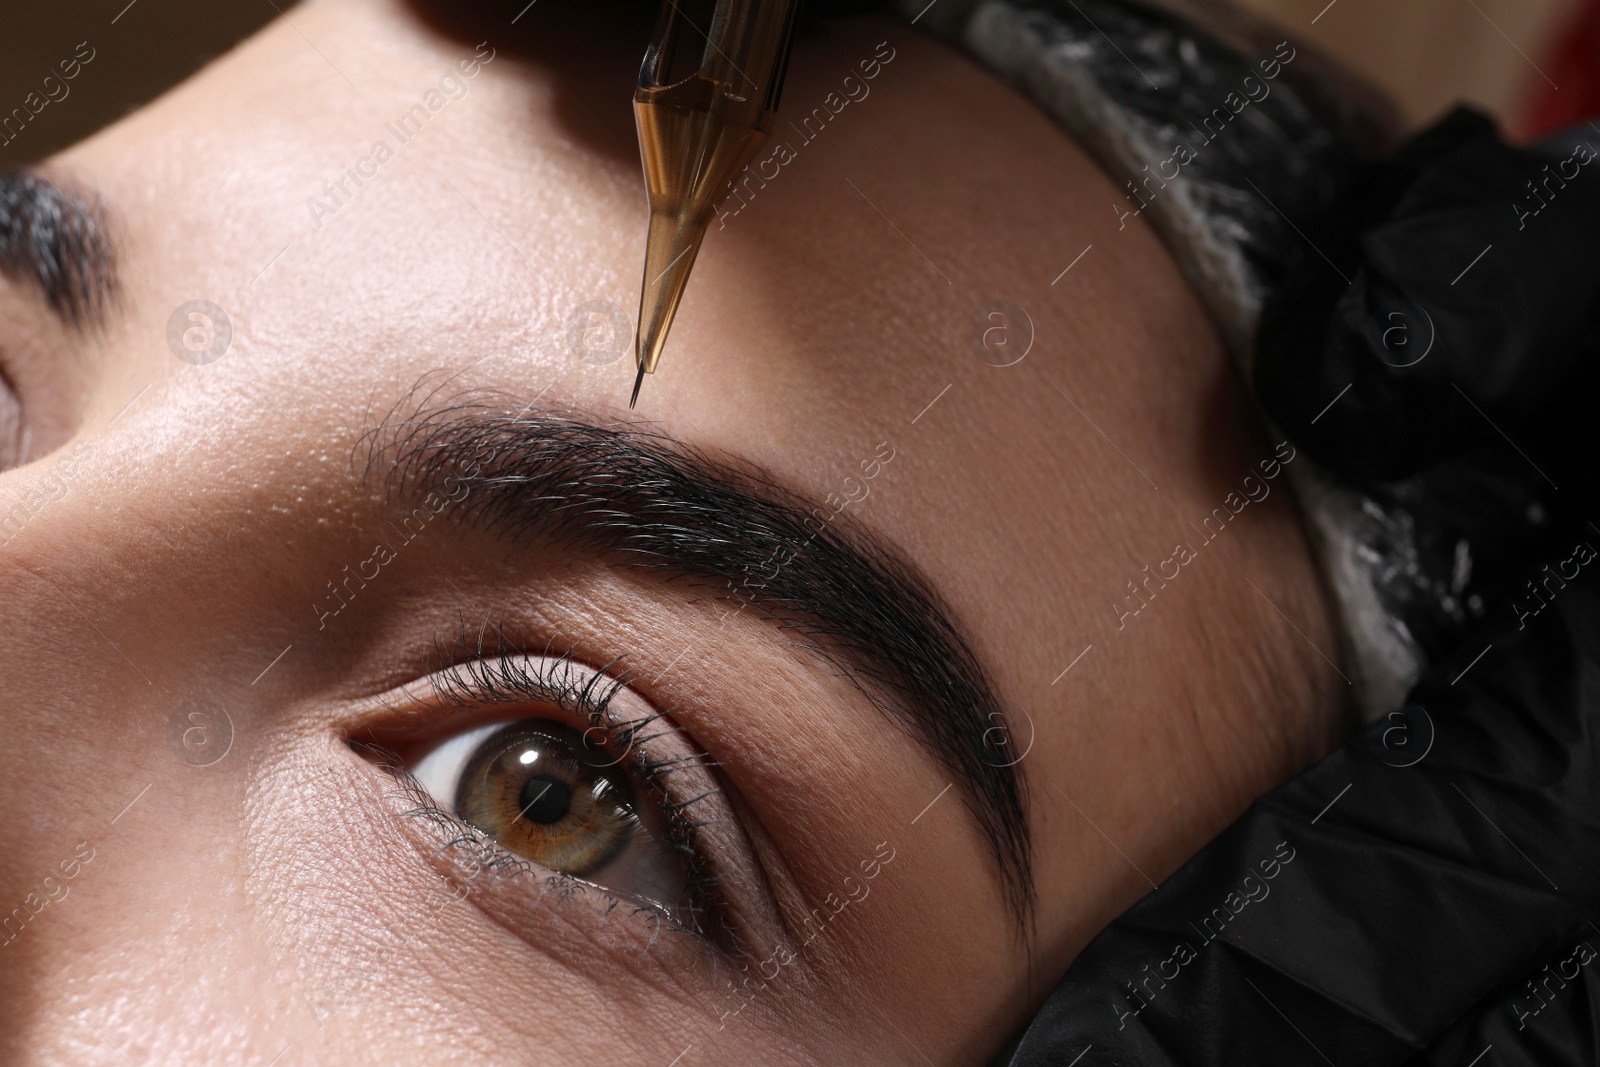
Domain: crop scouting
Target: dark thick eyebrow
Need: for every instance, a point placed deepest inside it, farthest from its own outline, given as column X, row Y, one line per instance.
column 636, row 497
column 54, row 240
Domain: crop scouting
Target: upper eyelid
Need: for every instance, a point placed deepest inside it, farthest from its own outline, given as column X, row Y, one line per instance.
column 472, row 671
column 500, row 677
column 478, row 659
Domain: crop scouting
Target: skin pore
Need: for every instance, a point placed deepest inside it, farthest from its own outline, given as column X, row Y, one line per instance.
column 199, row 552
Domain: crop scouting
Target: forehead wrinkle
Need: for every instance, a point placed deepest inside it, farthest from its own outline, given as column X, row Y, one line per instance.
column 642, row 499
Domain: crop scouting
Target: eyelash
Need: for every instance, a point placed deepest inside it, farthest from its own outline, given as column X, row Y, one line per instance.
column 476, row 673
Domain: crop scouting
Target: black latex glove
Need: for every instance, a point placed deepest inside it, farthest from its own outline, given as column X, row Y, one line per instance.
column 1433, row 888
column 1405, row 916
column 1470, row 267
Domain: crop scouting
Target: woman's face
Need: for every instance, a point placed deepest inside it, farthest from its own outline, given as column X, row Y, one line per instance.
column 379, row 688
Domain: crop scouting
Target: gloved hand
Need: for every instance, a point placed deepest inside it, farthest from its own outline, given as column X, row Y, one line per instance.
column 1429, row 890
column 1457, row 274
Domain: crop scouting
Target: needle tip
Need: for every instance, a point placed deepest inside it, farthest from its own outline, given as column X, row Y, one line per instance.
column 637, row 382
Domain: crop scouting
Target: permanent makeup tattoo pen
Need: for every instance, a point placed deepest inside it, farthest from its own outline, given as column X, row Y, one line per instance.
column 708, row 90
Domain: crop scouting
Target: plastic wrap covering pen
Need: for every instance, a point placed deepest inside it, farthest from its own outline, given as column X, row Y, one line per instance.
column 708, row 90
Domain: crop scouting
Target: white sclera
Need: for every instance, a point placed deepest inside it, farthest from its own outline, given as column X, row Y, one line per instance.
column 439, row 772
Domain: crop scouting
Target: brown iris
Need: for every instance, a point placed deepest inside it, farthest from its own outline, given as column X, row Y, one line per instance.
column 535, row 787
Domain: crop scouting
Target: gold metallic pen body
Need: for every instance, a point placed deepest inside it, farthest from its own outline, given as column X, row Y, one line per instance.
column 708, row 90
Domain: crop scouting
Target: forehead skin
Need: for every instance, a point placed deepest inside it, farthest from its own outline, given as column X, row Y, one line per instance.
column 235, row 911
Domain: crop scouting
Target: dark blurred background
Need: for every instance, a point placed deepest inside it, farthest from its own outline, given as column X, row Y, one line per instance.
column 1427, row 53
column 151, row 46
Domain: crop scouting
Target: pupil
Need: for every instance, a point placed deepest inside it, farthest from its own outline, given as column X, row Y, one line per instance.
column 545, row 800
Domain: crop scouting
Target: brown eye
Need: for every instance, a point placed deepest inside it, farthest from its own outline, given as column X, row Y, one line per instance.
column 538, row 790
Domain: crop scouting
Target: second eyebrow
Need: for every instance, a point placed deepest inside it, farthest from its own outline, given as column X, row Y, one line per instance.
column 55, row 240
